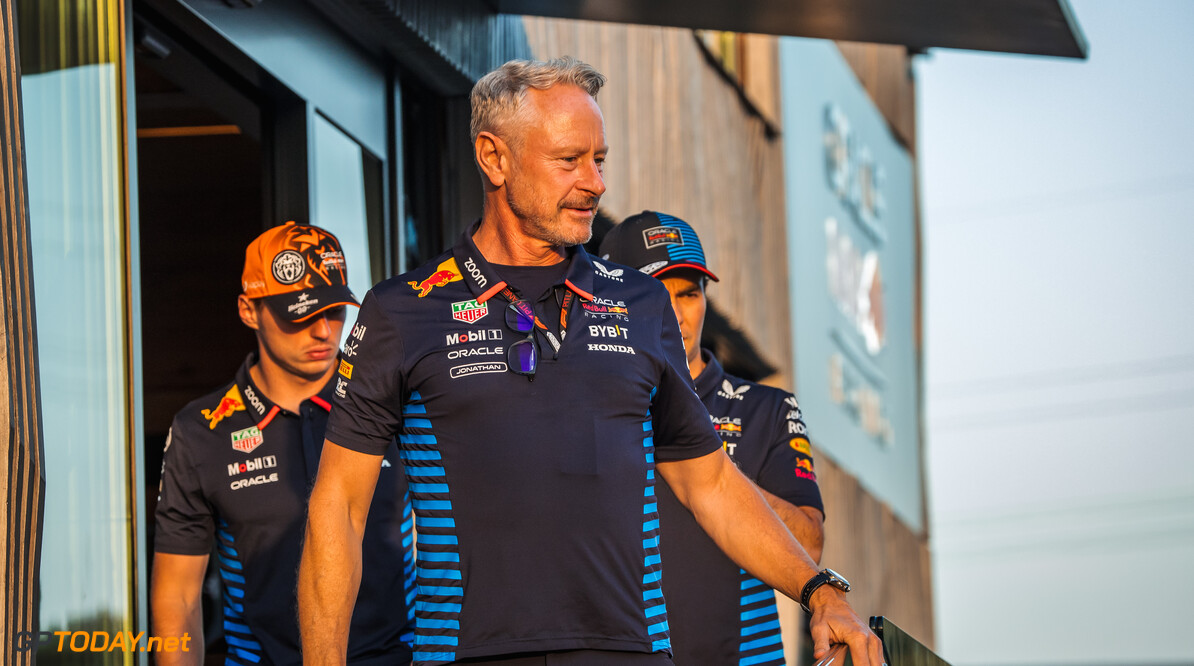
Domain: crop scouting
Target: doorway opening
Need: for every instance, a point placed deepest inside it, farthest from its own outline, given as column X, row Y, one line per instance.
column 203, row 195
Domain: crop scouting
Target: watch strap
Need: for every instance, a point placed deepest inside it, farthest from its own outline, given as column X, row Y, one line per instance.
column 811, row 586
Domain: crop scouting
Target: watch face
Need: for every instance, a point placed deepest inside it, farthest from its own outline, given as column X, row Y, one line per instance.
column 837, row 580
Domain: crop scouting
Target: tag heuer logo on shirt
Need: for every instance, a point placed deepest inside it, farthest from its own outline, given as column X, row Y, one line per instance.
column 469, row 312
column 246, row 440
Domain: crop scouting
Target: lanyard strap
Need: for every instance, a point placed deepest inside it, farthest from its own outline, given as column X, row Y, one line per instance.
column 525, row 308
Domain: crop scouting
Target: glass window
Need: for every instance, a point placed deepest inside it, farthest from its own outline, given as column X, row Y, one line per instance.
column 346, row 200
column 73, row 104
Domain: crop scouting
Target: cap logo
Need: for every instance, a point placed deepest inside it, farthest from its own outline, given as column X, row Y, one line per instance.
column 304, row 304
column 656, row 236
column 289, row 267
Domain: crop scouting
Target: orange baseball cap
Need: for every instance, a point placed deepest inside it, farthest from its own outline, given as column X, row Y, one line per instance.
column 298, row 270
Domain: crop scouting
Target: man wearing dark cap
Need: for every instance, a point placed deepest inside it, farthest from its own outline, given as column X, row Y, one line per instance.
column 720, row 615
column 239, row 463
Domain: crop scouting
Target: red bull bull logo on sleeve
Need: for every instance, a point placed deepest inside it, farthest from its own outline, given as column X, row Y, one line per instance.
column 231, row 402
column 804, row 469
column 444, row 273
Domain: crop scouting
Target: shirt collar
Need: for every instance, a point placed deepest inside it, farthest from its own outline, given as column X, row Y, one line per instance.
column 711, row 377
column 265, row 415
column 484, row 282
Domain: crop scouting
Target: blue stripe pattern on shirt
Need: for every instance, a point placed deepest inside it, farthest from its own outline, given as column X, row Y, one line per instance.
column 654, row 606
column 408, row 569
column 761, row 642
column 437, row 585
column 240, row 638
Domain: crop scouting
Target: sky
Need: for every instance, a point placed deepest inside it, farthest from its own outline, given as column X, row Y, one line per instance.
column 1059, row 324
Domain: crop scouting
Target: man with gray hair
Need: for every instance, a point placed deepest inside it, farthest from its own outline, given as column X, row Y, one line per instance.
column 534, row 393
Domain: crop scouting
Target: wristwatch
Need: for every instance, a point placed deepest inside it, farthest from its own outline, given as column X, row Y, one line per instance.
column 826, row 577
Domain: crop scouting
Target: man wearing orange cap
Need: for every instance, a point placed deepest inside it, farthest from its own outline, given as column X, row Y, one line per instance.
column 239, row 462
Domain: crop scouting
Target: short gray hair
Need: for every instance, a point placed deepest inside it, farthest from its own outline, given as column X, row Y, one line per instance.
column 498, row 96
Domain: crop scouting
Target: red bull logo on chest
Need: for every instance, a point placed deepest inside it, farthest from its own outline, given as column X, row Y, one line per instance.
column 445, row 273
column 231, row 402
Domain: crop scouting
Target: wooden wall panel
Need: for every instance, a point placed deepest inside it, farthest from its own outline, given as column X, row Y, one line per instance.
column 887, row 563
column 683, row 142
column 885, row 71
column 22, row 475
column 761, row 80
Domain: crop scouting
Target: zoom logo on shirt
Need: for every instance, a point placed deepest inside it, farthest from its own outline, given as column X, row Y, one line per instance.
column 471, row 267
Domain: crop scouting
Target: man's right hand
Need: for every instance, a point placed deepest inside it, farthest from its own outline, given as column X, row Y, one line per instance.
column 175, row 598
column 834, row 622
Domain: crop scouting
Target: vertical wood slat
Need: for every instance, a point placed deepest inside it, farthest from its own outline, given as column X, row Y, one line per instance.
column 884, row 70
column 20, row 415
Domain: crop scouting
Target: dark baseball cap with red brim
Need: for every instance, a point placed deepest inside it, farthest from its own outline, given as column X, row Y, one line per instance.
column 655, row 243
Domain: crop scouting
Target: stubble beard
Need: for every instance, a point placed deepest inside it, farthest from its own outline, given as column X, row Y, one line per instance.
column 552, row 229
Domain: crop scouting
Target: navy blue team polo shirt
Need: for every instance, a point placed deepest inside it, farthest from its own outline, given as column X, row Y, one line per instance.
column 534, row 500
column 721, row 615
column 236, row 475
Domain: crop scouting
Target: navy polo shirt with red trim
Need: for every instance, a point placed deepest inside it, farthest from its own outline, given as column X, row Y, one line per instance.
column 236, row 475
column 721, row 615
column 534, row 500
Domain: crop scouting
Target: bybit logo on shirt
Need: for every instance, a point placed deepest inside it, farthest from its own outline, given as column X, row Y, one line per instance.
column 609, row 331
